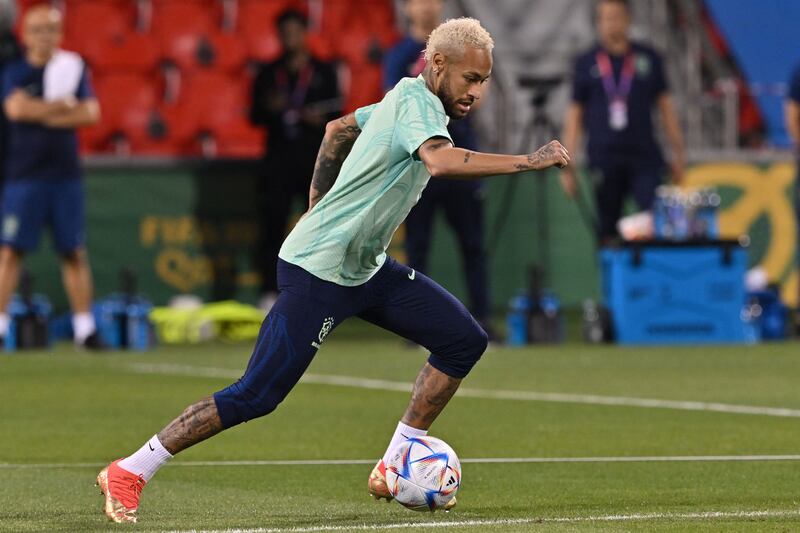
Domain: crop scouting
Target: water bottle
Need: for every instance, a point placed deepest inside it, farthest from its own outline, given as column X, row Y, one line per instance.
column 139, row 330
column 519, row 308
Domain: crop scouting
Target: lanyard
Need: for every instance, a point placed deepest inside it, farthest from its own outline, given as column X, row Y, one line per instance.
column 298, row 95
column 616, row 92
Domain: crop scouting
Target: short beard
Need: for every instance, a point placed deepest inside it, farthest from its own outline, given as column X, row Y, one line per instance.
column 448, row 101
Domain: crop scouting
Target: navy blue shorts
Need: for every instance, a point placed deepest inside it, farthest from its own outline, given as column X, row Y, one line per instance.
column 29, row 205
column 396, row 298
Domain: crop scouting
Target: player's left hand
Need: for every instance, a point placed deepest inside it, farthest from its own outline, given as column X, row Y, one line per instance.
column 549, row 155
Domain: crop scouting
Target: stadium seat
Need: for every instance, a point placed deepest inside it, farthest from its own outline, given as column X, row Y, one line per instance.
column 224, row 101
column 172, row 130
column 361, row 48
column 365, row 87
column 217, row 50
column 181, row 16
column 127, row 102
column 238, row 140
column 98, row 21
column 132, row 53
column 255, row 22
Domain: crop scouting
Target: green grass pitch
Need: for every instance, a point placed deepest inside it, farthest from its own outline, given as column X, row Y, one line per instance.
column 64, row 414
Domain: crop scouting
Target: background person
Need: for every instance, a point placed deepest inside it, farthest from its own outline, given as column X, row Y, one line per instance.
column 461, row 202
column 293, row 97
column 9, row 51
column 46, row 95
column 616, row 86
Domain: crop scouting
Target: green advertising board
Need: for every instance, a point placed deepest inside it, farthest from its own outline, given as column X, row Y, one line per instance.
column 192, row 229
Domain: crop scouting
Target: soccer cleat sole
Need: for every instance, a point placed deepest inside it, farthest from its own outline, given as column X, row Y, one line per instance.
column 113, row 508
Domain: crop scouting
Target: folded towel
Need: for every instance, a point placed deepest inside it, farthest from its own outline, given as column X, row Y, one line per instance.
column 62, row 75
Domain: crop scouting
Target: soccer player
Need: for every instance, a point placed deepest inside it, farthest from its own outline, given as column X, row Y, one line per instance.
column 371, row 169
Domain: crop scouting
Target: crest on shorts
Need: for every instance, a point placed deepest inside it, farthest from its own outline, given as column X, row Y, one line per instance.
column 327, row 326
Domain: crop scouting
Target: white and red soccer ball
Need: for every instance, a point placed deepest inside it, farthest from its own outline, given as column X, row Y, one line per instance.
column 423, row 473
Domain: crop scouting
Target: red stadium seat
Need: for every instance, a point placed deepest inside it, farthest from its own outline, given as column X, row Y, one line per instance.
column 127, row 103
column 191, row 50
column 132, row 53
column 255, row 22
column 97, row 21
column 366, row 87
column 340, row 17
column 224, row 101
column 178, row 17
column 171, row 132
column 363, row 33
column 239, row 140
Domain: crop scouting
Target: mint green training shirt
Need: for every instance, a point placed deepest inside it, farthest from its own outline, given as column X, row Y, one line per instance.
column 343, row 239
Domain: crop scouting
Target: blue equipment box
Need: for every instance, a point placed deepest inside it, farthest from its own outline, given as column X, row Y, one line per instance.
column 662, row 292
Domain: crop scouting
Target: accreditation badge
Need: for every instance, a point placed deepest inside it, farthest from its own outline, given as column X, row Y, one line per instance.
column 618, row 114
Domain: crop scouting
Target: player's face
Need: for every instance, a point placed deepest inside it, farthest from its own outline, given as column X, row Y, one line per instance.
column 464, row 81
column 613, row 21
column 42, row 31
column 426, row 13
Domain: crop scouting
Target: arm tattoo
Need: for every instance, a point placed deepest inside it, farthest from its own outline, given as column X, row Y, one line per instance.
column 467, row 156
column 535, row 159
column 332, row 153
column 198, row 422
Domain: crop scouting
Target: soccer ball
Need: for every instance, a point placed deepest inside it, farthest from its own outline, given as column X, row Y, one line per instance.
column 423, row 473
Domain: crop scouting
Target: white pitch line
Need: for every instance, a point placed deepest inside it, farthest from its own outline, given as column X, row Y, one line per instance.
column 514, row 395
column 476, row 460
column 649, row 517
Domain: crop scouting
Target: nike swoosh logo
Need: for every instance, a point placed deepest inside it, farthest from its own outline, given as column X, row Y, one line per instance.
column 412, row 275
column 151, row 447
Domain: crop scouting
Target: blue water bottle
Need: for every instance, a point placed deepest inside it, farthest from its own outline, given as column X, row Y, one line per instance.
column 519, row 308
column 140, row 335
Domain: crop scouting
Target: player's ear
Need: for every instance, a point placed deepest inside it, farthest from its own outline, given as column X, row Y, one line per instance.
column 438, row 62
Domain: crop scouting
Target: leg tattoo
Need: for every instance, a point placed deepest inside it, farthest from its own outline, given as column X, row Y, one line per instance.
column 198, row 422
column 432, row 390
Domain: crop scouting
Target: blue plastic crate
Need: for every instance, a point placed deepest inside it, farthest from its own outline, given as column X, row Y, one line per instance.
column 676, row 293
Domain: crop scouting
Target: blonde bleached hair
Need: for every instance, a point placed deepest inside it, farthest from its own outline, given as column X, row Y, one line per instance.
column 451, row 37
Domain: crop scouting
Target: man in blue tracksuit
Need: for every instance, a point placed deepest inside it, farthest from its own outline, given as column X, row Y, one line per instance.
column 46, row 95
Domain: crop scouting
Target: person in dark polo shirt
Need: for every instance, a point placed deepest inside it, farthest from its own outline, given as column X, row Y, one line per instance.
column 293, row 97
column 617, row 84
column 46, row 95
column 461, row 202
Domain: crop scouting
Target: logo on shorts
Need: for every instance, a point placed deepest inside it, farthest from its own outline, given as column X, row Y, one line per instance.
column 10, row 227
column 327, row 325
column 412, row 275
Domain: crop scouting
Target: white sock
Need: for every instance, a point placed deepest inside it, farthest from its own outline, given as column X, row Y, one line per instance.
column 83, row 325
column 402, row 433
column 4, row 321
column 147, row 460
